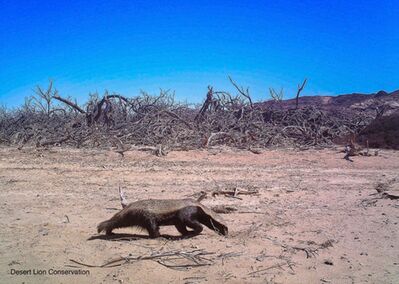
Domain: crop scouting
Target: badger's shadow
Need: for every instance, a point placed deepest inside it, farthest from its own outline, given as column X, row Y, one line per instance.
column 134, row 237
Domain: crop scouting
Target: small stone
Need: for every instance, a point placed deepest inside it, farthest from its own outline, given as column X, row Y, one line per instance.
column 43, row 231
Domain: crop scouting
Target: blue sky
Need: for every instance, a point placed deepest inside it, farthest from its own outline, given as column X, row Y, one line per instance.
column 128, row 46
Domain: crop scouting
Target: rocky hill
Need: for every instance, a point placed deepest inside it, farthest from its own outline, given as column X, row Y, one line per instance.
column 383, row 130
column 354, row 101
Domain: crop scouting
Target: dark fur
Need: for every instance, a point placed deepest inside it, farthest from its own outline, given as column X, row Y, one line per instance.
column 187, row 213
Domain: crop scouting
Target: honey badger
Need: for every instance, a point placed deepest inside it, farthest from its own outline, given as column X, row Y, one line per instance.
column 150, row 214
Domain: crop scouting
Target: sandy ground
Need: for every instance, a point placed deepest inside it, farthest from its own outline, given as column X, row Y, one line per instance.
column 316, row 218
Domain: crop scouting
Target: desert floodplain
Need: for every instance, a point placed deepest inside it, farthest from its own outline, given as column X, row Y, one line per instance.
column 293, row 216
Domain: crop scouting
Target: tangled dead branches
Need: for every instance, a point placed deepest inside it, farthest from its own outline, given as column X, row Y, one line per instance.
column 114, row 120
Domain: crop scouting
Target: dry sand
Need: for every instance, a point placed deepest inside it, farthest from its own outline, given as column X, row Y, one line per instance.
column 315, row 220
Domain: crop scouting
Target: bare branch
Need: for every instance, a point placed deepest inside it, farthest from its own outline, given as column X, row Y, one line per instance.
column 243, row 92
column 300, row 88
column 124, row 202
column 71, row 104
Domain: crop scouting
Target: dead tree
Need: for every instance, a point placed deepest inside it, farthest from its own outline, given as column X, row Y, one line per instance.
column 300, row 88
column 207, row 104
column 158, row 122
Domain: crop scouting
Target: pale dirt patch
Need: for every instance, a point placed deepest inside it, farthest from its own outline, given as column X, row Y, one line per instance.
column 308, row 200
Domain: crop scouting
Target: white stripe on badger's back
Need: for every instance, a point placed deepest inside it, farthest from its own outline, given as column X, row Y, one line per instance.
column 161, row 206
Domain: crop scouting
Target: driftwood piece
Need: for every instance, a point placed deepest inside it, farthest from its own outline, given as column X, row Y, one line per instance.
column 390, row 195
column 57, row 141
column 255, row 151
column 194, row 258
column 388, row 189
column 120, row 147
column 224, row 209
column 234, row 192
column 311, row 251
column 160, row 151
column 218, row 135
column 122, row 197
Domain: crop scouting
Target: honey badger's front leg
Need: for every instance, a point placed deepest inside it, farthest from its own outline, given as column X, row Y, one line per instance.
column 188, row 217
column 152, row 228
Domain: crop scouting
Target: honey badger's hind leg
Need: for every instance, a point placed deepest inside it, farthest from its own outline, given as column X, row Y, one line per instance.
column 188, row 217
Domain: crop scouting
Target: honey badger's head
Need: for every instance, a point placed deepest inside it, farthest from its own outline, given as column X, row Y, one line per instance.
column 216, row 225
column 222, row 230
